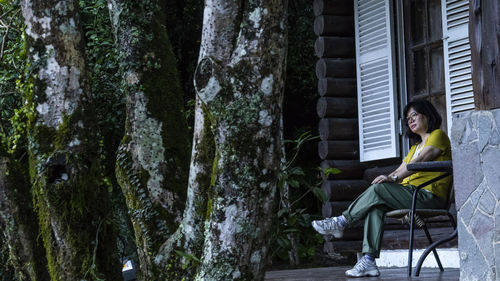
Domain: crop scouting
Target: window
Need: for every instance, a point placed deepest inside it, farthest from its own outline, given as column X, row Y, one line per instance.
column 424, row 52
column 435, row 55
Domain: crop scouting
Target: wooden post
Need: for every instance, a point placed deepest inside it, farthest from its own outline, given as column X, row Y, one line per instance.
column 484, row 34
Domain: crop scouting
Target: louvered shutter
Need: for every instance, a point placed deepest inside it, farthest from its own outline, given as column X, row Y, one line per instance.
column 457, row 57
column 375, row 77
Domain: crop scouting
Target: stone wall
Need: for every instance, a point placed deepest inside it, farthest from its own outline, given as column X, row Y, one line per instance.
column 476, row 162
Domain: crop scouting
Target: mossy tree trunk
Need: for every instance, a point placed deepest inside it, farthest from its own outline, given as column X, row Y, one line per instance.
column 153, row 157
column 239, row 80
column 18, row 221
column 71, row 202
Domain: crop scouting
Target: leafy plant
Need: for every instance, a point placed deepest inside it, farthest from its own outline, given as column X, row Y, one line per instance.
column 12, row 68
column 190, row 260
column 293, row 230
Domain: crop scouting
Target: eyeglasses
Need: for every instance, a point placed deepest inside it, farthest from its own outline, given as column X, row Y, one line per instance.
column 412, row 116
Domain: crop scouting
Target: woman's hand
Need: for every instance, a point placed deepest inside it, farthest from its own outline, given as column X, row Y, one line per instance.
column 381, row 179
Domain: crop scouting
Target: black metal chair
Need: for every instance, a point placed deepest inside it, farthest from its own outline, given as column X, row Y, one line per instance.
column 417, row 217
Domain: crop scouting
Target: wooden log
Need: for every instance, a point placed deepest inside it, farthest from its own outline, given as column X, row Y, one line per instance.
column 338, row 129
column 335, row 208
column 334, row 26
column 338, row 68
column 350, row 169
column 333, row 7
column 337, row 107
column 339, row 149
column 372, row 173
column 337, row 87
column 343, row 190
column 334, row 47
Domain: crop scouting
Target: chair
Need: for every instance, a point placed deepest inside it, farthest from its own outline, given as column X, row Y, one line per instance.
column 417, row 217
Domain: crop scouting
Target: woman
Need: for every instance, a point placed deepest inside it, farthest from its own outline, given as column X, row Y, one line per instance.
column 395, row 190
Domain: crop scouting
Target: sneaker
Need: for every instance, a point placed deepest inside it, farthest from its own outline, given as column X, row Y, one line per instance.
column 329, row 226
column 363, row 268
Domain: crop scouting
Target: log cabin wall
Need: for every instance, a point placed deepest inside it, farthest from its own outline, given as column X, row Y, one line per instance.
column 337, row 106
column 338, row 128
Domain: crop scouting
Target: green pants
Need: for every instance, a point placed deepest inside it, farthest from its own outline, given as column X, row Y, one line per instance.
column 379, row 199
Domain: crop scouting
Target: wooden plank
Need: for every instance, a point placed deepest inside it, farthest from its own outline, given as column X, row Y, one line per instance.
column 334, row 208
column 337, row 107
column 485, row 45
column 337, row 272
column 339, row 149
column 350, row 169
column 335, row 47
column 338, row 68
column 333, row 7
column 338, row 128
column 372, row 173
column 338, row 190
column 334, row 26
column 337, row 87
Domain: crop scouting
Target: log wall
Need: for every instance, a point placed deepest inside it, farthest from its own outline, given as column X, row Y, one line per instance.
column 337, row 106
column 338, row 124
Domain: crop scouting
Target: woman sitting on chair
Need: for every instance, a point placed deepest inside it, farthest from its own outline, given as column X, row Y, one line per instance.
column 395, row 190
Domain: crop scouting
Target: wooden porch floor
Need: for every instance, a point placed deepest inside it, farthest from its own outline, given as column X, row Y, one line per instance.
column 337, row 273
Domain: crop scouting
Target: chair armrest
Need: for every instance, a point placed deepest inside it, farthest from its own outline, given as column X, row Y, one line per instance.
column 432, row 166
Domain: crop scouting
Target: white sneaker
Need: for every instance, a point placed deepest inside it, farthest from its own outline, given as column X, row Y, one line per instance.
column 363, row 268
column 329, row 226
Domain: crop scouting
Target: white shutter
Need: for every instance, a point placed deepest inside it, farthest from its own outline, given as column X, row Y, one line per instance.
column 457, row 57
column 376, row 80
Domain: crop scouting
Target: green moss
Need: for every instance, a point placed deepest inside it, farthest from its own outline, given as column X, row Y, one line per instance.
column 64, row 133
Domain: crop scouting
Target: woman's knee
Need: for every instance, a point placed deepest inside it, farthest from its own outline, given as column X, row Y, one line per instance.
column 381, row 188
column 377, row 187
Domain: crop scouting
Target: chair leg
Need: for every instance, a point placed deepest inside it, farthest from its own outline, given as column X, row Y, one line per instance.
column 410, row 250
column 452, row 221
column 438, row 261
column 452, row 236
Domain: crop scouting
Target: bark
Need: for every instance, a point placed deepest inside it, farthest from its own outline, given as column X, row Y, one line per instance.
column 72, row 203
column 239, row 81
column 152, row 161
column 183, row 250
column 26, row 253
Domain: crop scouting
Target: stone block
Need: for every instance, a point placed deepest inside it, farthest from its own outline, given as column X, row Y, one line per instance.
column 496, row 115
column 458, row 131
column 487, row 202
column 495, row 136
column 482, row 227
column 465, row 213
column 497, row 261
column 473, row 265
column 476, row 195
column 497, row 228
column 467, row 173
column 484, row 127
column 491, row 169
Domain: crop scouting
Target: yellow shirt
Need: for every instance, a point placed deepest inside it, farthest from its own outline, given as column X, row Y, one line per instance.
column 440, row 140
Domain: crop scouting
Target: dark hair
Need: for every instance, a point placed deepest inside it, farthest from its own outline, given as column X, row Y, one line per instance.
column 426, row 108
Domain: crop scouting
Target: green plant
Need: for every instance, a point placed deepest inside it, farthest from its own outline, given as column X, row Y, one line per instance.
column 190, row 260
column 292, row 234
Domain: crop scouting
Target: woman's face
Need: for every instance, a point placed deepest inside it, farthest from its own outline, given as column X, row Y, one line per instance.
column 416, row 121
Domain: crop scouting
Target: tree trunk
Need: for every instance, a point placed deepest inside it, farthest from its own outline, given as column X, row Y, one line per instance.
column 183, row 250
column 17, row 221
column 152, row 161
column 71, row 201
column 239, row 80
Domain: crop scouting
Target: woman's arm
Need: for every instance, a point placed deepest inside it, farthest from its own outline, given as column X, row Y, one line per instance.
column 428, row 153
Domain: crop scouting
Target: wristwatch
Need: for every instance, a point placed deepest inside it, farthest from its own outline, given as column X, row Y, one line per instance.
column 394, row 178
